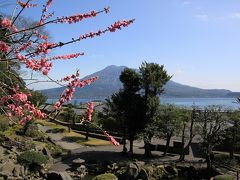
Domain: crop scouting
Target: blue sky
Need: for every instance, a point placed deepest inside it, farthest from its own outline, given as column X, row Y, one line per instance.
column 198, row 41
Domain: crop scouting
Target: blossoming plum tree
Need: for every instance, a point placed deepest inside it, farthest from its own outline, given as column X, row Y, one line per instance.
column 30, row 48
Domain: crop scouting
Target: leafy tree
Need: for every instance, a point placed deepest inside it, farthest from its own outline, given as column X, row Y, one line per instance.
column 153, row 78
column 126, row 107
column 188, row 120
column 69, row 116
column 211, row 122
column 37, row 98
column 231, row 135
column 132, row 105
column 168, row 122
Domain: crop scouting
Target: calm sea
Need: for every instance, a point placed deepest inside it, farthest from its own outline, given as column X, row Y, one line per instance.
column 228, row 103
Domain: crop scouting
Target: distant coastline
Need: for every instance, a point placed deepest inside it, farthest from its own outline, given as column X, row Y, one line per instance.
column 201, row 102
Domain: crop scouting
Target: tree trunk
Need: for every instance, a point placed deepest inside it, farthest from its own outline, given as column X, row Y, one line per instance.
column 87, row 132
column 232, row 148
column 209, row 157
column 69, row 127
column 147, row 152
column 147, row 144
column 209, row 162
column 167, row 144
column 69, row 124
column 124, row 142
column 131, row 145
column 181, row 158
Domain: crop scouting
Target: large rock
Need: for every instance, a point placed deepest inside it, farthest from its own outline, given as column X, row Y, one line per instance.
column 133, row 170
column 143, row 175
column 172, row 171
column 2, row 150
column 47, row 153
column 160, row 172
column 82, row 171
column 7, row 168
column 17, row 171
column 53, row 175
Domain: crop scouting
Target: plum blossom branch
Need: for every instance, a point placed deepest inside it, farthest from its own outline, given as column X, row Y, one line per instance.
column 64, row 19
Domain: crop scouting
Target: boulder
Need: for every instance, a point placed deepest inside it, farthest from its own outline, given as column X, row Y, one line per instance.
column 82, row 171
column 22, row 171
column 143, row 175
column 47, row 153
column 172, row 171
column 133, row 170
column 159, row 172
column 17, row 171
column 7, row 168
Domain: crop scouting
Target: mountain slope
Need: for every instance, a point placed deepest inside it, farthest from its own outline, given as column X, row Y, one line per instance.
column 109, row 83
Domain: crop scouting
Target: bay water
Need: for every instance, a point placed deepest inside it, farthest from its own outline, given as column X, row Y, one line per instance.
column 226, row 103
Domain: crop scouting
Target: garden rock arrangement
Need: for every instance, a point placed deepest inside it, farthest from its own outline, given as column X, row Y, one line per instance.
column 138, row 170
column 25, row 156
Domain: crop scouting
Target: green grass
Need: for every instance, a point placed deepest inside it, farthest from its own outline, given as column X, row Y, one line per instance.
column 75, row 137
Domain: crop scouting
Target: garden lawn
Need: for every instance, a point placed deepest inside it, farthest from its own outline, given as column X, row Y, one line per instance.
column 79, row 138
column 51, row 125
column 73, row 136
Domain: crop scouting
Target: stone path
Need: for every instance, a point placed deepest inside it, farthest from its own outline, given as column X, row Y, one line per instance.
column 101, row 153
column 58, row 139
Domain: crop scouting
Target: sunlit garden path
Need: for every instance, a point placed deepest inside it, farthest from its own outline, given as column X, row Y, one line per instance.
column 100, row 151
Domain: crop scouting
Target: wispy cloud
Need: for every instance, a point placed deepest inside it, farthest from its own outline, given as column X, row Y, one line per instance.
column 95, row 56
column 236, row 15
column 187, row 3
column 202, row 17
column 179, row 72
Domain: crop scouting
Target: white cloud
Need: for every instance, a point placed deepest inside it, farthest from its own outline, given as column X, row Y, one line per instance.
column 202, row 17
column 187, row 2
column 236, row 15
column 179, row 72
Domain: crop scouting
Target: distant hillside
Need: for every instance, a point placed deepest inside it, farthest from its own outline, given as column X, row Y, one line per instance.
column 109, row 83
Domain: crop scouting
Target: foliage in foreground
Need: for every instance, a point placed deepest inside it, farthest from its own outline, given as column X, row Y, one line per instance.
column 32, row 158
column 106, row 176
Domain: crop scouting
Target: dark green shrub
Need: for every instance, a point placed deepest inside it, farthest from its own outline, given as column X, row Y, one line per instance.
column 32, row 158
column 55, row 150
column 106, row 176
column 31, row 130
